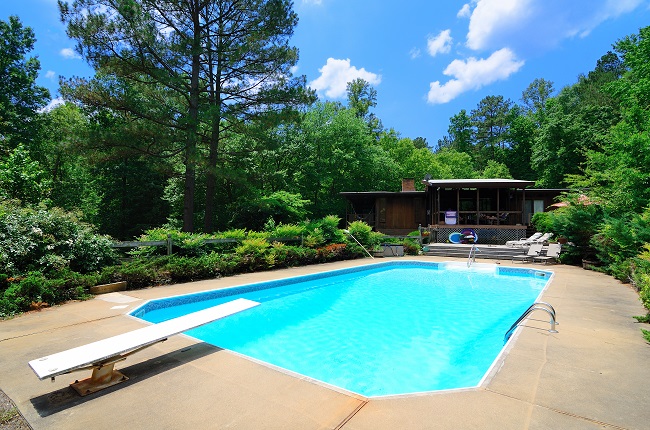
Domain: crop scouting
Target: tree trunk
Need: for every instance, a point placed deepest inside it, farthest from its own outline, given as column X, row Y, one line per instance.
column 190, row 150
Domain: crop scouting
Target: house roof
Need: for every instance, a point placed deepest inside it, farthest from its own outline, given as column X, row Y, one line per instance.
column 478, row 183
column 380, row 193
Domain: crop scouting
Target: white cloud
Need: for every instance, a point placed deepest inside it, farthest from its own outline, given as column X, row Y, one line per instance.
column 52, row 104
column 312, row 1
column 69, row 53
column 610, row 9
column 440, row 43
column 335, row 75
column 464, row 12
column 493, row 16
column 294, row 69
column 473, row 74
column 415, row 53
column 50, row 74
column 530, row 25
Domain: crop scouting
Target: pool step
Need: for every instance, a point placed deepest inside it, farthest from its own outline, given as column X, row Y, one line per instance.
column 494, row 252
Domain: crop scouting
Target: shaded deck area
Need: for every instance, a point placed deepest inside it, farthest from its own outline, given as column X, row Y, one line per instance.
column 591, row 375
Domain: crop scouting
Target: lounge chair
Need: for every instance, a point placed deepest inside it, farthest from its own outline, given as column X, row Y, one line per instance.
column 552, row 253
column 533, row 251
column 102, row 355
column 543, row 238
column 525, row 241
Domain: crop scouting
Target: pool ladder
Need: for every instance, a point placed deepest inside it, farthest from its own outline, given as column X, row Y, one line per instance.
column 472, row 255
column 537, row 306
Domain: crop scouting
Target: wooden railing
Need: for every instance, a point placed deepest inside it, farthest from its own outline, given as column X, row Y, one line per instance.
column 169, row 243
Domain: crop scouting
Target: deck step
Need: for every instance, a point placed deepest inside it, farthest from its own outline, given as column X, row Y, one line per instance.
column 484, row 252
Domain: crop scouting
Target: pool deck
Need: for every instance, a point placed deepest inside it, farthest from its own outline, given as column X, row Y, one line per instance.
column 593, row 374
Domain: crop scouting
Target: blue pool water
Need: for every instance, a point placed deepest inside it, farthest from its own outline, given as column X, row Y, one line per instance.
column 383, row 329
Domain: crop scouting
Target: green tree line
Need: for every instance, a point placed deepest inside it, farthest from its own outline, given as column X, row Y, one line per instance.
column 195, row 121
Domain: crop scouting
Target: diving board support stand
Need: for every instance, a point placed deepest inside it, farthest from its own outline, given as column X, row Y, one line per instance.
column 101, row 356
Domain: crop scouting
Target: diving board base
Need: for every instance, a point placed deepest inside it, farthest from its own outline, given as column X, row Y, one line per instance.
column 102, row 377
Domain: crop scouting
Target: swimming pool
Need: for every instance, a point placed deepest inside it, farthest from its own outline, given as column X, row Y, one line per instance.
column 381, row 329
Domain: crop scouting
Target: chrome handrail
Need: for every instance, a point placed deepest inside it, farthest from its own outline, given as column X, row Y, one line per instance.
column 538, row 306
column 472, row 255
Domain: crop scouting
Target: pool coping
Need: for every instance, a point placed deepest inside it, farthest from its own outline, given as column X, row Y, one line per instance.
column 592, row 374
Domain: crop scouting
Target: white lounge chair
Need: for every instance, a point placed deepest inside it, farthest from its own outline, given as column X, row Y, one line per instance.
column 102, row 355
column 543, row 238
column 533, row 251
column 552, row 253
column 525, row 241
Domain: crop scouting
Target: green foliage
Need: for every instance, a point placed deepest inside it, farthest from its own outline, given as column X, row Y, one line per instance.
column 146, row 79
column 35, row 290
column 281, row 207
column 139, row 273
column 496, row 170
column 543, row 221
column 646, row 334
column 578, row 223
column 23, row 179
column 287, row 231
column 619, row 240
column 49, row 241
column 363, row 233
column 641, row 275
column 20, row 97
column 411, row 247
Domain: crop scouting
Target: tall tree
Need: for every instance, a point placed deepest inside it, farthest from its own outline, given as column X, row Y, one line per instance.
column 361, row 97
column 490, row 120
column 202, row 67
column 535, row 95
column 20, row 97
column 460, row 133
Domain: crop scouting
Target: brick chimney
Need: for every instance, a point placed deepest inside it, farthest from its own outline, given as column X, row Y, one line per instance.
column 408, row 184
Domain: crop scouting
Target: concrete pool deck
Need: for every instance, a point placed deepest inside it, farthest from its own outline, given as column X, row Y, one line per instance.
column 594, row 373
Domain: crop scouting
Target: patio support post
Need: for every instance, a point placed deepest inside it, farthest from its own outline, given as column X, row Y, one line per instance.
column 523, row 205
column 457, row 206
column 478, row 199
column 498, row 205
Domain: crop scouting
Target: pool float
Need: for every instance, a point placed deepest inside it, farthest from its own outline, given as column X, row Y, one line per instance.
column 455, row 237
column 469, row 232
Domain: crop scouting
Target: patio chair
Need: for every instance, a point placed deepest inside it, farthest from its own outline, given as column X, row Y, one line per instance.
column 543, row 238
column 552, row 253
column 533, row 251
column 525, row 241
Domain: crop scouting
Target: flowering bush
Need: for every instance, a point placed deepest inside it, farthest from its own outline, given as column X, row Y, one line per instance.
column 49, row 241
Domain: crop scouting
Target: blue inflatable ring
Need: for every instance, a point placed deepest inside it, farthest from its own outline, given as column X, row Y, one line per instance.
column 455, row 237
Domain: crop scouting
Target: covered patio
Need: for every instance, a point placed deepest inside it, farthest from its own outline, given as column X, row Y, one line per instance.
column 494, row 209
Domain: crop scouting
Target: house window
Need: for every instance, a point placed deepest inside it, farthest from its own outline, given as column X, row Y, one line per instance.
column 531, row 207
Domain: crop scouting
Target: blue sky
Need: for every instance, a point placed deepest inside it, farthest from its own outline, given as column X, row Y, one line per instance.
column 427, row 59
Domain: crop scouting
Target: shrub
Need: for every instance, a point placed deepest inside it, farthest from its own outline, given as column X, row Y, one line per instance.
column 363, row 233
column 641, row 275
column 543, row 221
column 411, row 247
column 281, row 207
column 184, row 269
column 253, row 254
column 578, row 223
column 139, row 273
column 619, row 239
column 332, row 252
column 282, row 231
column 49, row 241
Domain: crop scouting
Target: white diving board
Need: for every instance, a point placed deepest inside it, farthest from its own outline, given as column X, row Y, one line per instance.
column 102, row 355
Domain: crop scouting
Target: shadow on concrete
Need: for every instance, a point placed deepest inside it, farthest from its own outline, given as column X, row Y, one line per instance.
column 65, row 398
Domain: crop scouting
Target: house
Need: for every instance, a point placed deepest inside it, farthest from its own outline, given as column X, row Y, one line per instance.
column 496, row 210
